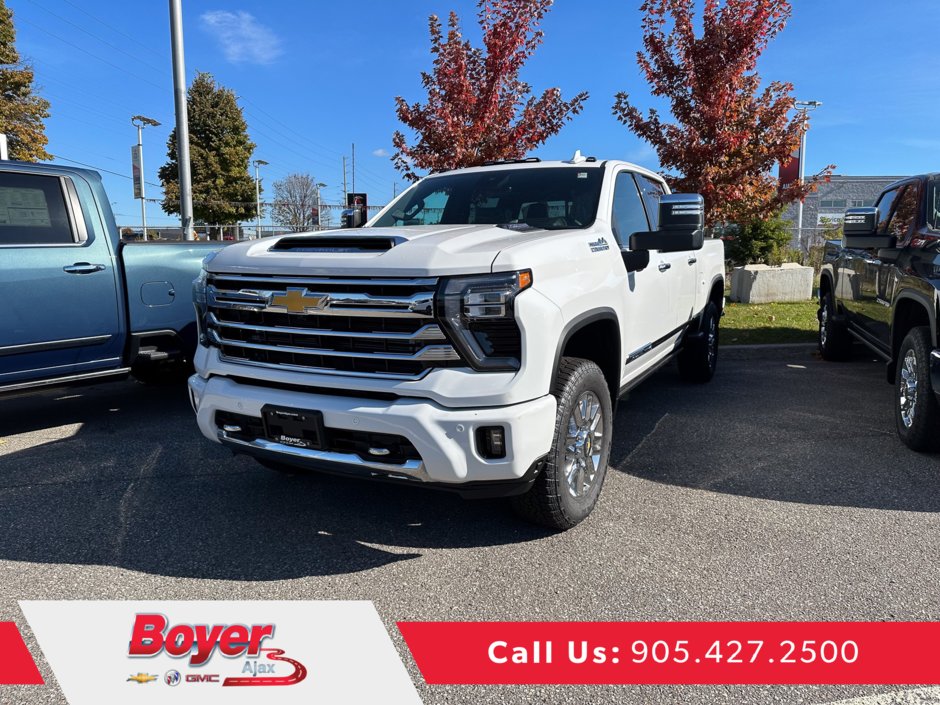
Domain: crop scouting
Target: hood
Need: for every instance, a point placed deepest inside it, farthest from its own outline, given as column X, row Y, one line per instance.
column 428, row 250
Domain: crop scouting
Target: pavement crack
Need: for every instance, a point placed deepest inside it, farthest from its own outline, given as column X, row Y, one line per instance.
column 646, row 438
column 124, row 506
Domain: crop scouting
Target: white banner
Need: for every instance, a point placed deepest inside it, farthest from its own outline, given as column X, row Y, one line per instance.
column 220, row 652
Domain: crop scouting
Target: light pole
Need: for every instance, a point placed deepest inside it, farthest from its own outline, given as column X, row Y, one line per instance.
column 319, row 185
column 182, row 119
column 139, row 121
column 804, row 106
column 258, row 164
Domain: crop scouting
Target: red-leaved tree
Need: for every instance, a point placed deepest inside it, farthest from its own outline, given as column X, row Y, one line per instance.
column 728, row 133
column 477, row 108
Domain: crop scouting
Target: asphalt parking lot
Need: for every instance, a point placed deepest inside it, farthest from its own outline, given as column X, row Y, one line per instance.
column 778, row 492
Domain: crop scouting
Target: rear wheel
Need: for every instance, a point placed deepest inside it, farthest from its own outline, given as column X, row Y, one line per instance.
column 834, row 340
column 915, row 409
column 568, row 487
column 699, row 359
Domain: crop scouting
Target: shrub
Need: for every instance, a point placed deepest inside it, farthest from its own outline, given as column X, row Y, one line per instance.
column 758, row 242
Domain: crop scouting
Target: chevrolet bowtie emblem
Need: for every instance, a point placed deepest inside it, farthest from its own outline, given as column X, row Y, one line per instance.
column 142, row 678
column 299, row 301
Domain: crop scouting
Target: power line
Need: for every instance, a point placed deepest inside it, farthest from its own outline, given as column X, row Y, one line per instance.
column 94, row 56
column 136, row 40
column 95, row 36
column 99, row 168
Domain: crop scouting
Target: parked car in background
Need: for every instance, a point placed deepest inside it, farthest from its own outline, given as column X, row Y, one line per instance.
column 79, row 305
column 880, row 286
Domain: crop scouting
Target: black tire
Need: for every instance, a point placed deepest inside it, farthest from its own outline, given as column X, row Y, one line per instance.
column 835, row 343
column 699, row 359
column 916, row 411
column 552, row 501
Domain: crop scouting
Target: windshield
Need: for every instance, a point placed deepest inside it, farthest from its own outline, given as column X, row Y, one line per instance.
column 552, row 198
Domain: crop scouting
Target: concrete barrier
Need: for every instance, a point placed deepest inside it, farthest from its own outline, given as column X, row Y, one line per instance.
column 760, row 284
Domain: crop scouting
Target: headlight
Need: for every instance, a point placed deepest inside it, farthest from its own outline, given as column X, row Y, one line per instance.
column 477, row 315
column 199, row 298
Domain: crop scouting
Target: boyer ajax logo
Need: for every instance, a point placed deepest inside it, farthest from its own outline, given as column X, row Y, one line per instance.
column 258, row 663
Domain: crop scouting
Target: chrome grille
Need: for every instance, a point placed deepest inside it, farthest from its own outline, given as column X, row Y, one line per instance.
column 350, row 326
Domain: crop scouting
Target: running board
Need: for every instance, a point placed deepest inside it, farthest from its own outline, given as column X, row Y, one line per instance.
column 63, row 381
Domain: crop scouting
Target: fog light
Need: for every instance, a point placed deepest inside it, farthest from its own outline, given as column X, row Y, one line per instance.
column 491, row 442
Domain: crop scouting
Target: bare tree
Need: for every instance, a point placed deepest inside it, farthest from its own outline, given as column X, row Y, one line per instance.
column 296, row 202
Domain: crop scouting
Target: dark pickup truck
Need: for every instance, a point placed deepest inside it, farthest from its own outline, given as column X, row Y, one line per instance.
column 78, row 304
column 880, row 286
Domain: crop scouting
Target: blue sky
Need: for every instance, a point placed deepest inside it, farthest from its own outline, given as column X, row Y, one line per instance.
column 314, row 77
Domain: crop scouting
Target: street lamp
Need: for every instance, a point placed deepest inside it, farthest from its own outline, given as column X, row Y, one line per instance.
column 139, row 121
column 804, row 106
column 258, row 164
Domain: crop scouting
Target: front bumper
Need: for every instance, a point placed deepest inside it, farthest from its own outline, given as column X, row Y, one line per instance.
column 444, row 438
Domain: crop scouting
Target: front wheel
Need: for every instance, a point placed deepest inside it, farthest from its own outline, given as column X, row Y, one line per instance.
column 566, row 490
column 915, row 409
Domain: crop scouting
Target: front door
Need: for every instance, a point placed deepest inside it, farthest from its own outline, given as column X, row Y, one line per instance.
column 651, row 299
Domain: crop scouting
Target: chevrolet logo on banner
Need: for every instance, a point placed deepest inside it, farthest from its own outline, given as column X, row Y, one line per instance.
column 299, row 301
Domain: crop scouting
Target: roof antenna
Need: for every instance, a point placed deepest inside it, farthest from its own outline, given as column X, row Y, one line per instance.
column 577, row 158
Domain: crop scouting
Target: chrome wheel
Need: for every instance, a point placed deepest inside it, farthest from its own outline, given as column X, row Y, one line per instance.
column 823, row 324
column 907, row 389
column 584, row 444
column 712, row 343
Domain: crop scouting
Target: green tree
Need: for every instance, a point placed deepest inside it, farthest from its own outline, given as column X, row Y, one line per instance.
column 21, row 111
column 219, row 153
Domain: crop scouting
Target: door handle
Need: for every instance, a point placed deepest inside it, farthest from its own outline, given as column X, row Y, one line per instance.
column 692, row 260
column 83, row 268
column 663, row 266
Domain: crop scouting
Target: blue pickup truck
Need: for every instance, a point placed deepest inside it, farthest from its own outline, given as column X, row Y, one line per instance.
column 78, row 304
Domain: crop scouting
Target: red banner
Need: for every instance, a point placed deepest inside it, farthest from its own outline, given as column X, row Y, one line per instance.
column 733, row 653
column 16, row 663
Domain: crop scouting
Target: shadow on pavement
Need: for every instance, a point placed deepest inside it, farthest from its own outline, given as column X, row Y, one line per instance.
column 138, row 487
column 778, row 425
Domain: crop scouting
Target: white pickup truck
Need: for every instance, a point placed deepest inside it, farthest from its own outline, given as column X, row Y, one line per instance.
column 474, row 336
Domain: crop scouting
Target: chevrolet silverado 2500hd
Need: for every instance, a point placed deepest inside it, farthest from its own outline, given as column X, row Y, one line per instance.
column 475, row 335
column 881, row 286
column 78, row 304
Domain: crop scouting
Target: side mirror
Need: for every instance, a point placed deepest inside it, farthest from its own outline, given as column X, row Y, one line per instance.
column 859, row 230
column 681, row 225
column 889, row 255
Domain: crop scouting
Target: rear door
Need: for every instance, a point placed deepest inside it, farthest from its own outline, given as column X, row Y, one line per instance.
column 60, row 312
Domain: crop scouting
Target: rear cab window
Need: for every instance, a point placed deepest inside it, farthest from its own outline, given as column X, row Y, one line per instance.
column 34, row 211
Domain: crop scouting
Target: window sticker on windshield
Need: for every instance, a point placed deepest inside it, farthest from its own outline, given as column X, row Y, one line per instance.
column 582, row 174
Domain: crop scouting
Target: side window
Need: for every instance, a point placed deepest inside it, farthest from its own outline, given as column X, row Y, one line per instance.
column 652, row 192
column 33, row 211
column 933, row 205
column 902, row 222
column 628, row 215
column 884, row 210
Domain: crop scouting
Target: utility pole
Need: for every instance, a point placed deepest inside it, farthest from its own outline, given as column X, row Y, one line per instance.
column 319, row 185
column 182, row 119
column 804, row 107
column 137, row 160
column 258, row 164
column 344, row 182
column 354, row 167
column 394, row 190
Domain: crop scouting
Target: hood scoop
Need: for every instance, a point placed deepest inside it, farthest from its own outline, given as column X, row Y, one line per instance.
column 349, row 244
